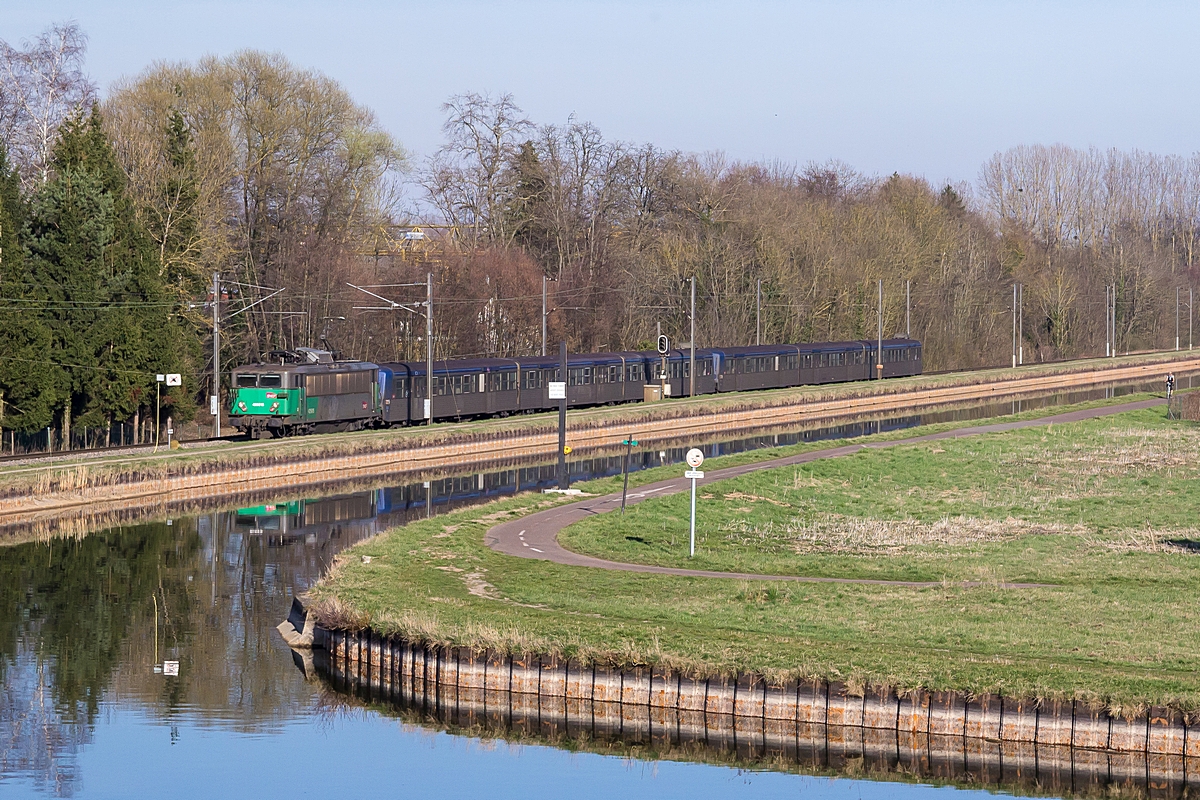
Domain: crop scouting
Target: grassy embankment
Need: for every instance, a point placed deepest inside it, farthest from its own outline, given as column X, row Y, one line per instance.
column 72, row 472
column 1098, row 509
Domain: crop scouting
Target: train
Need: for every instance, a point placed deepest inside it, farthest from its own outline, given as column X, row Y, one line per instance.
column 306, row 390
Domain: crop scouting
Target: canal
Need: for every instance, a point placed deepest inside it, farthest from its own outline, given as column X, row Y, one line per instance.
column 142, row 660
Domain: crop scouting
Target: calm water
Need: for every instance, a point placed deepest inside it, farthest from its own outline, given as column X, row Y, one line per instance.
column 88, row 622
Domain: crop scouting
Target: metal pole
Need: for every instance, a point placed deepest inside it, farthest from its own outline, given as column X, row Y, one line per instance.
column 692, row 359
column 625, row 470
column 157, row 411
column 429, row 347
column 1176, row 317
column 216, row 387
column 1021, row 324
column 908, row 309
column 1114, row 320
column 758, row 314
column 1014, row 327
column 1107, row 311
column 692, row 526
column 563, row 482
column 543, row 315
column 879, row 351
column 1189, row 318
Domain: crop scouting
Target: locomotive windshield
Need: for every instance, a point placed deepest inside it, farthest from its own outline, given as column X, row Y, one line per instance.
column 245, row 381
column 270, row 381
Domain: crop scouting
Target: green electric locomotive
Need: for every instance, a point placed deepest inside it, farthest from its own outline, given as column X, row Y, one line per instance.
column 303, row 391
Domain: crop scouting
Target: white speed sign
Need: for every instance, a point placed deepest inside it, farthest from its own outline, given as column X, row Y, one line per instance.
column 694, row 458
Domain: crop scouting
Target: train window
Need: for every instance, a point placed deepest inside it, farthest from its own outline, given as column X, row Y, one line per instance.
column 579, row 376
column 791, row 362
column 418, row 386
column 440, row 383
column 244, row 381
column 706, row 367
column 270, row 381
column 533, row 378
column 634, row 373
column 680, row 369
column 502, row 381
column 402, row 387
column 614, row 373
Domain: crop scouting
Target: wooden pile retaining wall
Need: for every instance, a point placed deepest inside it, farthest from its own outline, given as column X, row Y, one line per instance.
column 1054, row 745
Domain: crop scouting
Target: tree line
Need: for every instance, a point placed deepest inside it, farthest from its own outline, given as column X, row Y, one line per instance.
column 115, row 213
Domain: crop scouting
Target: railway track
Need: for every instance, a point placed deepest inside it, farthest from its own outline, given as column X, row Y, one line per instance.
column 58, row 488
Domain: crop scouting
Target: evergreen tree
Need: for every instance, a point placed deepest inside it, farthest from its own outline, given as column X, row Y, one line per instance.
column 110, row 319
column 526, row 207
column 30, row 384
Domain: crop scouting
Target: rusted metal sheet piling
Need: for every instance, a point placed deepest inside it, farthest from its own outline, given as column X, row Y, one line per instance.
column 1050, row 746
column 422, row 674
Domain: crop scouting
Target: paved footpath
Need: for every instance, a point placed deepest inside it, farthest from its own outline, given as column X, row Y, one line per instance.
column 536, row 536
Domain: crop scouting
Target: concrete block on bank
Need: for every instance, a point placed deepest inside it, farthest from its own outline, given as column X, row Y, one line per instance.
column 664, row 689
column 913, row 716
column 1019, row 720
column 812, row 699
column 1056, row 722
column 1127, row 734
column 982, row 717
column 498, row 667
column 947, row 713
column 880, row 707
column 635, row 686
column 749, row 699
column 780, row 702
column 553, row 680
column 606, row 685
column 1165, row 731
column 692, row 696
column 844, row 708
column 578, row 680
column 524, row 675
column 719, row 696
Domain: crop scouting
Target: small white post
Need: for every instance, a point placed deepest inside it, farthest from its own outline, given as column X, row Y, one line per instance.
column 692, row 526
column 694, row 459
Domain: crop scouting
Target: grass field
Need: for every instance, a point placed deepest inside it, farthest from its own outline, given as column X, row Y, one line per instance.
column 1105, row 511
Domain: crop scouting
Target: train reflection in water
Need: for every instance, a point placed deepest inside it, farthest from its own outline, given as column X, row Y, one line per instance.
column 352, row 517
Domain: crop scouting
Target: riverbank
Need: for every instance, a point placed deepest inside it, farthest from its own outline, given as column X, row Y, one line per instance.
column 201, row 471
column 1115, row 628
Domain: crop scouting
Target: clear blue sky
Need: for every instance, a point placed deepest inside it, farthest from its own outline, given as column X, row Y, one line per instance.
column 929, row 88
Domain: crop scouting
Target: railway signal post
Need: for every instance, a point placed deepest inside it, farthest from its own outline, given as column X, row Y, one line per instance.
column 694, row 459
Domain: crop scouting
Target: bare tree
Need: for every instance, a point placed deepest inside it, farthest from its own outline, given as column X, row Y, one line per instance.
column 469, row 179
column 41, row 84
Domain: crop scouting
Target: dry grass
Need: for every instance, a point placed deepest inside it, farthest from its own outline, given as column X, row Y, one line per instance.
column 842, row 535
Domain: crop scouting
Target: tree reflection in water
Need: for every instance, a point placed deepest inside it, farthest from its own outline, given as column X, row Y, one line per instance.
column 89, row 620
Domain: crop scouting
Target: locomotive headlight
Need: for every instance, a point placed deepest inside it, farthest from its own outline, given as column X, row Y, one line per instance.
column 274, row 406
column 242, row 405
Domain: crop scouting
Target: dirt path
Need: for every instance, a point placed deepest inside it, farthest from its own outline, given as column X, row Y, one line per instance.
column 536, row 536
